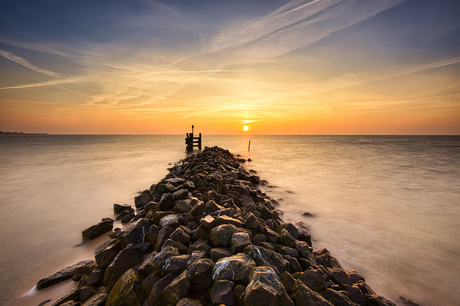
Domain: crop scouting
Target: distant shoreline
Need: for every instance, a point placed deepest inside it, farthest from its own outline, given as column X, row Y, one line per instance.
column 21, row 133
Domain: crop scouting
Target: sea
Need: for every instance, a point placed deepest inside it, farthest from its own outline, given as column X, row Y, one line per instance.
column 385, row 206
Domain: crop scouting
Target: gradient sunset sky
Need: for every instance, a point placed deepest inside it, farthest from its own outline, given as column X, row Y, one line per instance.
column 280, row 67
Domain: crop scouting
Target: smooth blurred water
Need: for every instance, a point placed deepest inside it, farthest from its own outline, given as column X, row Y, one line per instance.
column 387, row 206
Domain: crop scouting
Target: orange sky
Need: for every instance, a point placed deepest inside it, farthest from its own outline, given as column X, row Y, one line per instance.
column 288, row 67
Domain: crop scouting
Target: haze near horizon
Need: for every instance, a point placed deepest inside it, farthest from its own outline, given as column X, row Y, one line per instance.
column 277, row 67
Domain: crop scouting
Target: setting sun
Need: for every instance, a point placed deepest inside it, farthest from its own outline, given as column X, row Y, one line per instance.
column 245, row 128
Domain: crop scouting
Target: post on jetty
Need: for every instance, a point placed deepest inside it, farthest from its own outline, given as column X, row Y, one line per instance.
column 191, row 141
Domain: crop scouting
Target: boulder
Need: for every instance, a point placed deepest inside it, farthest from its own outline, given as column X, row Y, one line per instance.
column 142, row 199
column 163, row 235
column 302, row 295
column 218, row 253
column 222, row 235
column 172, row 220
column 189, row 302
column 166, row 201
column 235, row 268
column 339, row 277
column 315, row 278
column 127, row 291
column 106, row 225
column 227, row 220
column 180, row 235
column 134, row 233
column 222, row 293
column 62, row 275
column 125, row 260
column 356, row 295
column 177, row 289
column 176, row 264
column 265, row 288
column 336, row 298
column 119, row 208
column 95, row 278
column 212, row 206
column 240, row 241
column 180, row 194
column 377, row 300
column 156, row 296
column 96, row 300
column 264, row 257
column 200, row 274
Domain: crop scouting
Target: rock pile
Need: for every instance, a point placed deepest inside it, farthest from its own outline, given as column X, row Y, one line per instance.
column 205, row 235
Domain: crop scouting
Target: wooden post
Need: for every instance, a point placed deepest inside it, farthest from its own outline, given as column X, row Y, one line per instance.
column 191, row 141
column 199, row 143
column 249, row 146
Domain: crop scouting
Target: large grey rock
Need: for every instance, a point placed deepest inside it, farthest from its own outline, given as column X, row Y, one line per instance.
column 176, row 264
column 240, row 241
column 177, row 289
column 142, row 199
column 337, row 298
column 200, row 274
column 134, row 233
column 61, row 275
column 125, row 260
column 302, row 295
column 235, row 268
column 106, row 225
column 315, row 278
column 265, row 289
column 222, row 293
column 96, row 300
column 222, row 235
column 265, row 257
column 126, row 291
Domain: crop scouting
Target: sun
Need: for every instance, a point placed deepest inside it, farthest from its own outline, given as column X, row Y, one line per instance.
column 246, row 128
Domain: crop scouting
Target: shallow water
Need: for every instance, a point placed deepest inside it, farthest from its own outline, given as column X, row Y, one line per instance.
column 387, row 206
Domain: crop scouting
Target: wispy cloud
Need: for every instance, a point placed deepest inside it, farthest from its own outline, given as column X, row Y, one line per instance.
column 25, row 63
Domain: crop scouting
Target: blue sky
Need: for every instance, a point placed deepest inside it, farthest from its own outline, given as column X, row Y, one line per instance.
column 289, row 67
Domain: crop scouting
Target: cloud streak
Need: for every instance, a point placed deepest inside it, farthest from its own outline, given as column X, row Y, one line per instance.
column 21, row 61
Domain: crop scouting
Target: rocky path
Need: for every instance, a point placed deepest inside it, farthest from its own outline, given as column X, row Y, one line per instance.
column 205, row 235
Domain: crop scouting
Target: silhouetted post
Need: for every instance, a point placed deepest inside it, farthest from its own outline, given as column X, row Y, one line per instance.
column 191, row 141
column 249, row 146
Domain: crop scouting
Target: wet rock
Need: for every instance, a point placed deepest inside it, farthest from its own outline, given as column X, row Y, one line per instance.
column 61, row 275
column 227, row 220
column 339, row 277
column 163, row 235
column 222, row 293
column 294, row 265
column 95, row 278
column 407, row 302
column 354, row 276
column 235, row 268
column 182, row 248
column 180, row 194
column 336, row 298
column 166, row 201
column 355, row 295
column 134, row 233
column 183, row 206
column 68, row 298
column 181, row 235
column 287, row 239
column 293, row 231
column 265, row 288
column 208, row 222
column 172, row 220
column 126, row 291
column 287, row 280
column 96, row 230
column 271, row 235
column 125, row 260
column 198, row 209
column 177, row 289
column 212, row 206
column 218, row 253
column 240, row 241
column 119, row 208
column 176, row 264
column 195, row 256
column 200, row 274
column 302, row 295
column 125, row 217
column 377, row 300
column 156, row 296
column 222, row 235
column 315, row 278
column 189, row 302
column 96, row 300
column 264, row 257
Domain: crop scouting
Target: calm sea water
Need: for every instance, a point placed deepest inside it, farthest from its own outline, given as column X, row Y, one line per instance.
column 387, row 206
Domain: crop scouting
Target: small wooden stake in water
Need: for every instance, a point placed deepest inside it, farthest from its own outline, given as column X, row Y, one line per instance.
column 249, row 146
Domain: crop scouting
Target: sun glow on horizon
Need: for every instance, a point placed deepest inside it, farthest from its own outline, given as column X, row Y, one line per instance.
column 245, row 128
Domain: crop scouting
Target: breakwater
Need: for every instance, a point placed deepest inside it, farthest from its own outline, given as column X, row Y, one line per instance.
column 206, row 235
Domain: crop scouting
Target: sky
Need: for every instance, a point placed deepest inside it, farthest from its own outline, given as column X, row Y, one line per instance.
column 315, row 67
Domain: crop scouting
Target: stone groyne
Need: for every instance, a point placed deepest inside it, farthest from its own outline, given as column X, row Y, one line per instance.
column 206, row 235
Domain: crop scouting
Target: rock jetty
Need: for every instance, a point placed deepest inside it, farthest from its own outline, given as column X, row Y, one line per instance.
column 206, row 235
